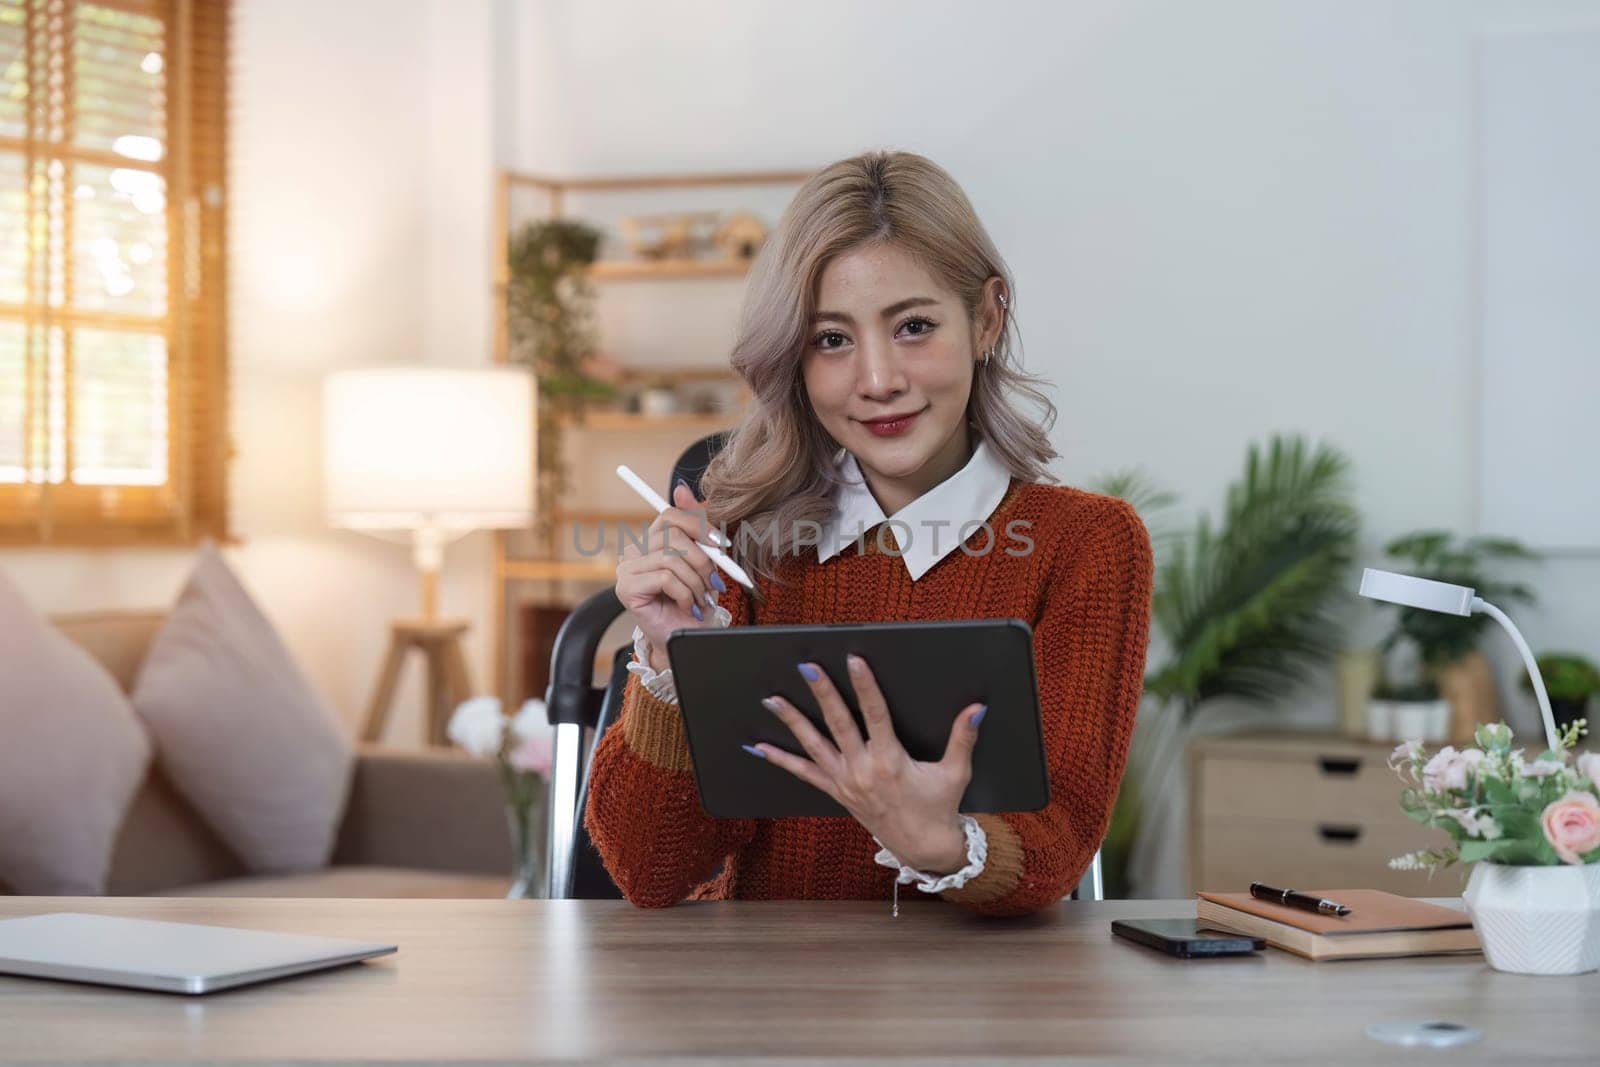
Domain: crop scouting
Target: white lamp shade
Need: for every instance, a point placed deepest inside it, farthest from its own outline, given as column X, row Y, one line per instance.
column 405, row 448
column 1424, row 593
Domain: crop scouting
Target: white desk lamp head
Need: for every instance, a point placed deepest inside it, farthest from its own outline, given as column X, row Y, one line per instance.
column 1428, row 595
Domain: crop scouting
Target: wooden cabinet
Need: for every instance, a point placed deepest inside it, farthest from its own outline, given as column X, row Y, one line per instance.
column 1303, row 811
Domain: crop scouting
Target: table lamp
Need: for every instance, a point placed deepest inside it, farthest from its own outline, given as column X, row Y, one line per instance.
column 436, row 453
column 1429, row 595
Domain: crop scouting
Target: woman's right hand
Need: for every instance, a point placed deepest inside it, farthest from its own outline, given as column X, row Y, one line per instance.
column 664, row 584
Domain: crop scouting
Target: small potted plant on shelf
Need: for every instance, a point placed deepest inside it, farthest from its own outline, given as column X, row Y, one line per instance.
column 1450, row 666
column 1569, row 680
column 520, row 746
column 1407, row 709
column 1532, row 829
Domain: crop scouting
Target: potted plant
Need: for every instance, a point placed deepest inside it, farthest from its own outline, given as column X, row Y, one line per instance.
column 1532, row 829
column 1569, row 680
column 549, row 308
column 1446, row 662
column 1247, row 606
column 1413, row 709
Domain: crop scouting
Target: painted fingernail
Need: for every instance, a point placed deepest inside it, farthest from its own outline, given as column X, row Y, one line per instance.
column 771, row 704
column 856, row 663
column 685, row 483
column 754, row 751
column 694, row 609
column 717, row 583
column 810, row 673
column 978, row 716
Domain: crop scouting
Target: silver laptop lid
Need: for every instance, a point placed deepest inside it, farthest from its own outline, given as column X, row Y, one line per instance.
column 166, row 956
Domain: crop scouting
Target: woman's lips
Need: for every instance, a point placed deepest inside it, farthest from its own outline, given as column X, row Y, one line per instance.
column 891, row 427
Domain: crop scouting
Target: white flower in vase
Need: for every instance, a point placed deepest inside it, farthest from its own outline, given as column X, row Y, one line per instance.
column 478, row 726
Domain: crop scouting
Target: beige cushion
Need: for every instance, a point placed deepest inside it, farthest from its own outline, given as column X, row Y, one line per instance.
column 239, row 731
column 71, row 756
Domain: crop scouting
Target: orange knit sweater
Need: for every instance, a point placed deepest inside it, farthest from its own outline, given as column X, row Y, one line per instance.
column 1085, row 590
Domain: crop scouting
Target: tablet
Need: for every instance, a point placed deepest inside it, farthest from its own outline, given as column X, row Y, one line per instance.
column 928, row 671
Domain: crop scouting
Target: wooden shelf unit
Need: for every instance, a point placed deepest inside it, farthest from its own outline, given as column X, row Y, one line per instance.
column 509, row 570
column 647, row 270
column 624, row 421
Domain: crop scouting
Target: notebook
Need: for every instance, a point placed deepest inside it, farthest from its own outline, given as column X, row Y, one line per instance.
column 1379, row 925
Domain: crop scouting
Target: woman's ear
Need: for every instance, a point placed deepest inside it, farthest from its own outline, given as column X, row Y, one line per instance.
column 992, row 311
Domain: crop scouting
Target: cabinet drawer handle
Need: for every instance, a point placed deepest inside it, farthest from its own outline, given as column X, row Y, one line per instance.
column 1345, row 765
column 1344, row 835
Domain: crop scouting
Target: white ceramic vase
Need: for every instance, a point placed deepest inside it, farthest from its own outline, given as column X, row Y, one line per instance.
column 1537, row 920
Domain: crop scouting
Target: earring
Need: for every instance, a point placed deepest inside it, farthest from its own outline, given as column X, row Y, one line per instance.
column 1004, row 302
column 988, row 356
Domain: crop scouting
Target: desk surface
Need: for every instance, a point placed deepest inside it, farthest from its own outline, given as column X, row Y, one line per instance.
column 568, row 980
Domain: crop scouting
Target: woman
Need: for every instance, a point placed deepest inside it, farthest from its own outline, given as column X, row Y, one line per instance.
column 882, row 473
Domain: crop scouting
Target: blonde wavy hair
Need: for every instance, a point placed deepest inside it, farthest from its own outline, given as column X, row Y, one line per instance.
column 776, row 470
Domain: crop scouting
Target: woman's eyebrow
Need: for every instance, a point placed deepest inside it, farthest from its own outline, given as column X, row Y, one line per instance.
column 888, row 313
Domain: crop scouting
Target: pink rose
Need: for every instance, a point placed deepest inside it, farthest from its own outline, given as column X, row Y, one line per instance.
column 531, row 754
column 1572, row 826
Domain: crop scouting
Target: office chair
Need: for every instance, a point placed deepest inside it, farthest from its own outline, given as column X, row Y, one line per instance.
column 581, row 713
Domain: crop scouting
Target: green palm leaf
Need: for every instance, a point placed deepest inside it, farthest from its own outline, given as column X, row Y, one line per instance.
column 1248, row 607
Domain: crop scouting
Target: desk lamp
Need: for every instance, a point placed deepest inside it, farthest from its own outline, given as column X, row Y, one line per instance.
column 1429, row 595
column 437, row 453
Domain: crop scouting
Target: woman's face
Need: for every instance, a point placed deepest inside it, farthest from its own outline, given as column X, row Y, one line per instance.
column 888, row 369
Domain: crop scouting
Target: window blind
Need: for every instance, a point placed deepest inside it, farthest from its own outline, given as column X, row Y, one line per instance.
column 112, row 282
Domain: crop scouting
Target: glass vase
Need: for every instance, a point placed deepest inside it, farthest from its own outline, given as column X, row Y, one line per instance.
column 527, row 872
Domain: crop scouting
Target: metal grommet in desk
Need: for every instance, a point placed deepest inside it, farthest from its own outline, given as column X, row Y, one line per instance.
column 1424, row 1034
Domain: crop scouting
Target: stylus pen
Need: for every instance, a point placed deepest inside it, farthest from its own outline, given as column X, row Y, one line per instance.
column 653, row 498
column 1294, row 899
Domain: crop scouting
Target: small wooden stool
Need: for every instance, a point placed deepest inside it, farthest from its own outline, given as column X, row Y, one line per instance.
column 448, row 682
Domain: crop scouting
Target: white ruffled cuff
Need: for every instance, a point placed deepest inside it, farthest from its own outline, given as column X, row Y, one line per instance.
column 977, row 855
column 659, row 683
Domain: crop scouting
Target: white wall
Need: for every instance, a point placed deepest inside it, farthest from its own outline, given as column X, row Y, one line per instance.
column 360, row 161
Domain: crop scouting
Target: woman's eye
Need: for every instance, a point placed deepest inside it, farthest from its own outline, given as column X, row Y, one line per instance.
column 829, row 339
column 918, row 326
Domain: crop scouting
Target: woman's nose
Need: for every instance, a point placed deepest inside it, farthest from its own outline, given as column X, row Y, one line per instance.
column 878, row 372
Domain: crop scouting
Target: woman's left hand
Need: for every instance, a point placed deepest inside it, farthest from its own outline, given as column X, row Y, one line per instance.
column 909, row 806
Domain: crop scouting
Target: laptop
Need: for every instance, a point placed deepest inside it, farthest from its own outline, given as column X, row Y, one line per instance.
column 164, row 956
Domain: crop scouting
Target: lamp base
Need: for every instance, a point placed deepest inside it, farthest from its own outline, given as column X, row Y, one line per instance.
column 447, row 678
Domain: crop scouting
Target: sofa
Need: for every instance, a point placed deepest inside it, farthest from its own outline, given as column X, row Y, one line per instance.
column 416, row 823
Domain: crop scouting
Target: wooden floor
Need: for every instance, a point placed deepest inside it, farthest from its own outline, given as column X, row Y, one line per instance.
column 562, row 981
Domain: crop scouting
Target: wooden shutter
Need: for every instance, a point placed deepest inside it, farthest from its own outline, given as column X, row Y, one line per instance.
column 112, row 314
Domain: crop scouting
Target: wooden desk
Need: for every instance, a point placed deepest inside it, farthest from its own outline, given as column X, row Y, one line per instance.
column 546, row 981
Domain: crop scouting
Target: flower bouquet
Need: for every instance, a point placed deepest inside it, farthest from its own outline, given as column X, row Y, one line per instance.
column 1533, row 828
column 520, row 746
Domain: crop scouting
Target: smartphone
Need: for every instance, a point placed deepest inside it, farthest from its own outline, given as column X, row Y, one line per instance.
column 1185, row 938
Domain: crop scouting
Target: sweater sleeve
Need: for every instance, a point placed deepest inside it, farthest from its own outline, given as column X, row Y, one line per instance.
column 1089, row 652
column 644, row 812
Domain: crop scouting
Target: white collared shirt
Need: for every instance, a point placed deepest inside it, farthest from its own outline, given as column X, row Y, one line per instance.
column 931, row 526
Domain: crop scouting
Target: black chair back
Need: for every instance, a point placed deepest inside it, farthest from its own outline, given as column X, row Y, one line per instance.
column 572, row 697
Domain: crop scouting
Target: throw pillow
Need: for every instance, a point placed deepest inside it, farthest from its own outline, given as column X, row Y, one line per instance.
column 72, row 756
column 238, row 728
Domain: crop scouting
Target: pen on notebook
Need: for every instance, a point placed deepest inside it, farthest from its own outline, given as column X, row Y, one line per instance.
column 653, row 498
column 1294, row 899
